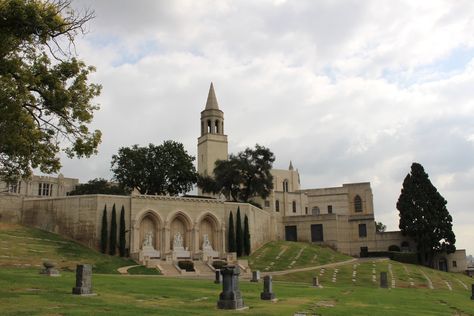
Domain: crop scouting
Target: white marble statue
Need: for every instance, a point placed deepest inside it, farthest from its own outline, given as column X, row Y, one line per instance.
column 148, row 240
column 178, row 241
column 206, row 244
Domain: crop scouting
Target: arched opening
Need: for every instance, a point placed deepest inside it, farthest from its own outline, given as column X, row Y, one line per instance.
column 208, row 233
column 222, row 127
column 405, row 246
column 277, row 206
column 315, row 210
column 216, row 124
column 293, row 206
column 209, row 127
column 285, row 185
column 202, row 128
column 357, row 204
column 149, row 232
column 179, row 237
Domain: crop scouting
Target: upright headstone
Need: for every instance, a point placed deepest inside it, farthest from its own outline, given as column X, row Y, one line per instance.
column 267, row 293
column 315, row 281
column 218, row 278
column 83, row 280
column 230, row 298
column 383, row 280
column 50, row 269
column 255, row 276
column 472, row 292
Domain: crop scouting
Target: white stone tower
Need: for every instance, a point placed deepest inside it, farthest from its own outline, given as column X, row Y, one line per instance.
column 212, row 145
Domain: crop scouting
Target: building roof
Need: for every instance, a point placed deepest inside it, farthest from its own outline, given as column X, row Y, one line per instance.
column 211, row 103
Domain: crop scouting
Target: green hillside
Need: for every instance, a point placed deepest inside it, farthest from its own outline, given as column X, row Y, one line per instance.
column 29, row 247
column 284, row 255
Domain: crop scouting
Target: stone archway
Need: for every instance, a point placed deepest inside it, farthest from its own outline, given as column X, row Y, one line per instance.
column 182, row 225
column 149, row 226
column 209, row 226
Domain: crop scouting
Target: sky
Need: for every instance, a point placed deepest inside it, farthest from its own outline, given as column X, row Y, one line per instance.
column 350, row 91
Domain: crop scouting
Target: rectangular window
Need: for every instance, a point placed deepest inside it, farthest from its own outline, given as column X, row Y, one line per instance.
column 306, row 210
column 267, row 203
column 294, row 206
column 362, row 230
column 40, row 188
column 45, row 189
column 455, row 264
column 317, row 232
column 329, row 209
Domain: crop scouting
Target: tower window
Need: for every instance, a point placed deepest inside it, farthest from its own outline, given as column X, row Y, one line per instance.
column 329, row 209
column 277, row 206
column 315, row 211
column 209, row 126
column 362, row 230
column 216, row 124
column 285, row 186
column 202, row 128
column 294, row 206
column 357, row 204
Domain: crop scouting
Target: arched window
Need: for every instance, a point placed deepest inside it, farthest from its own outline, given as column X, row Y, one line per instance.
column 277, row 206
column 315, row 210
column 357, row 204
column 216, row 123
column 294, row 206
column 202, row 128
column 209, row 126
column 285, row 186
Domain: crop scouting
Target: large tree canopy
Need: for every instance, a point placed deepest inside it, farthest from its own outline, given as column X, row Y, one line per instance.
column 424, row 216
column 45, row 97
column 242, row 176
column 163, row 169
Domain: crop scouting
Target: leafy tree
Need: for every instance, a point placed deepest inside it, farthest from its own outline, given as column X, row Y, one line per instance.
column 239, row 235
column 424, row 216
column 103, row 231
column 380, row 227
column 113, row 233
column 247, row 249
column 231, row 234
column 45, row 97
column 242, row 176
column 98, row 186
column 163, row 169
column 122, row 241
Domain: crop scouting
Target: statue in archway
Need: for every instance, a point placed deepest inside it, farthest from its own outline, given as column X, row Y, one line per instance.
column 148, row 240
column 206, row 244
column 178, row 241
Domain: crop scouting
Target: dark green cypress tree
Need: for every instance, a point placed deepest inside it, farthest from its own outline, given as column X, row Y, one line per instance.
column 231, row 234
column 424, row 216
column 246, row 236
column 113, row 233
column 239, row 235
column 122, row 233
column 103, row 231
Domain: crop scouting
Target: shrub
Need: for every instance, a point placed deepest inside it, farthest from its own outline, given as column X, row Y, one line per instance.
column 394, row 248
column 219, row 264
column 187, row 265
column 405, row 257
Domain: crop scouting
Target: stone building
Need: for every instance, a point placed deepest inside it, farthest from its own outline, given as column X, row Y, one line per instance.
column 40, row 186
column 166, row 229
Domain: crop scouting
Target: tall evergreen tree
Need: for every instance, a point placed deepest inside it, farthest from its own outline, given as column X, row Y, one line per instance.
column 103, row 231
column 113, row 233
column 239, row 235
column 246, row 236
column 231, row 234
column 122, row 233
column 424, row 216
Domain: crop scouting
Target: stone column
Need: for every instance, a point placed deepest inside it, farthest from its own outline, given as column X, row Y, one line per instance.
column 230, row 297
column 83, row 280
column 196, row 245
column 223, row 238
column 383, row 280
column 267, row 293
column 167, row 232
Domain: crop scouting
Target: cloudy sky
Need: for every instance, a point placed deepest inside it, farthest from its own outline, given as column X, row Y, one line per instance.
column 350, row 91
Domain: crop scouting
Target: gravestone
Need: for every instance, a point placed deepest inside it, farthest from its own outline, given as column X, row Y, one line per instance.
column 472, row 292
column 50, row 269
column 267, row 293
column 218, row 278
column 255, row 276
column 315, row 281
column 230, row 297
column 383, row 280
column 83, row 280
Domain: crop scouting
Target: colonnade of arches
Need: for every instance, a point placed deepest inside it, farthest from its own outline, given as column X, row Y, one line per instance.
column 163, row 231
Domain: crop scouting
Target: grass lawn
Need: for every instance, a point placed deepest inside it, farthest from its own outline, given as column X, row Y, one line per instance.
column 25, row 292
column 284, row 255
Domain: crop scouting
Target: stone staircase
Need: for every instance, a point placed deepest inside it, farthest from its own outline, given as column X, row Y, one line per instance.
column 202, row 268
column 167, row 268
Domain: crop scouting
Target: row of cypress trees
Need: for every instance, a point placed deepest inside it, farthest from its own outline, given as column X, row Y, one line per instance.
column 239, row 240
column 111, row 240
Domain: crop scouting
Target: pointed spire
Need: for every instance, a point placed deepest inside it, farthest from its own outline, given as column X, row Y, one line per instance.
column 291, row 166
column 211, row 103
